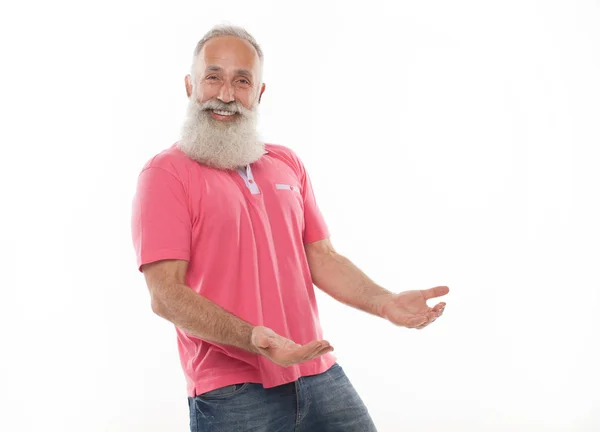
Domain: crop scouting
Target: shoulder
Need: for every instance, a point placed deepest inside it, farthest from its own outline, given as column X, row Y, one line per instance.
column 171, row 160
column 285, row 155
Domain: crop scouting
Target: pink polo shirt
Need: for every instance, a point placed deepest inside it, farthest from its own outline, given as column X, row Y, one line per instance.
column 243, row 234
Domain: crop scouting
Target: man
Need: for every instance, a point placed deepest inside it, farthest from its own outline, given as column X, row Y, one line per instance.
column 230, row 240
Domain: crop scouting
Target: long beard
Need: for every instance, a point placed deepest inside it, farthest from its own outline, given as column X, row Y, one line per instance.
column 224, row 145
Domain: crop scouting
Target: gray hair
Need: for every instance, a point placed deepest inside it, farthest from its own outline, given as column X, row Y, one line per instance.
column 227, row 30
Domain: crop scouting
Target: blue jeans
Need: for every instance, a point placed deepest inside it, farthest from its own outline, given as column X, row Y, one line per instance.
column 320, row 403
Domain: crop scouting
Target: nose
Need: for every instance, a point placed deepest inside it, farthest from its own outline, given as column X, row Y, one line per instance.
column 226, row 93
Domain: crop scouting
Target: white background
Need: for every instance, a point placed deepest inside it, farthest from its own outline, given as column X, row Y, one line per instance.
column 449, row 143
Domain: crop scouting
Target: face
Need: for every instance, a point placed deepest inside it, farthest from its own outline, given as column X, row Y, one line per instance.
column 227, row 69
column 220, row 127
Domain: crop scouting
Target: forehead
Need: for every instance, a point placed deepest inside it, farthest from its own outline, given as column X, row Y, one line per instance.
column 228, row 52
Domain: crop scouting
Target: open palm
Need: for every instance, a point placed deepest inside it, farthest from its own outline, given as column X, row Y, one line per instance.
column 286, row 352
column 409, row 308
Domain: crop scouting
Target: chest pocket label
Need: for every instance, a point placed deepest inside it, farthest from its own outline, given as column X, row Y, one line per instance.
column 281, row 186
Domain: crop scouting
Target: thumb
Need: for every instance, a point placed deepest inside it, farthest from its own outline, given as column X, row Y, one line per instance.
column 438, row 291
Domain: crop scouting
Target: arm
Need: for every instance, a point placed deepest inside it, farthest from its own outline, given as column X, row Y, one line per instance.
column 179, row 304
column 341, row 279
column 176, row 302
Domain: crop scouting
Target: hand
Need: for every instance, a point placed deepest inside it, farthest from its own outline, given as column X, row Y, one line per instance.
column 409, row 308
column 285, row 352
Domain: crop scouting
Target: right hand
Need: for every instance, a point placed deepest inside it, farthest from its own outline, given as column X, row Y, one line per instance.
column 285, row 352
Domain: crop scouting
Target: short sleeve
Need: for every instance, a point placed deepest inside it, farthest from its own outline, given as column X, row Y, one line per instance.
column 160, row 221
column 315, row 228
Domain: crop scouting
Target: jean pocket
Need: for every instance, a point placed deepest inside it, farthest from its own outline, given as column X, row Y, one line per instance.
column 224, row 392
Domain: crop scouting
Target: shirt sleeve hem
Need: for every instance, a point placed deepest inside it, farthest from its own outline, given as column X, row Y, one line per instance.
column 316, row 236
column 164, row 254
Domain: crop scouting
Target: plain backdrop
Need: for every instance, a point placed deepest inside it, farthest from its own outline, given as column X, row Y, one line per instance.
column 449, row 143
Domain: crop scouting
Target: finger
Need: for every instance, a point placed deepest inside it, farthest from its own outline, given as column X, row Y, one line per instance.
column 437, row 291
column 308, row 350
column 323, row 351
column 325, row 348
column 318, row 353
column 432, row 315
column 439, row 307
column 426, row 324
column 304, row 355
column 440, row 313
column 318, row 344
column 416, row 321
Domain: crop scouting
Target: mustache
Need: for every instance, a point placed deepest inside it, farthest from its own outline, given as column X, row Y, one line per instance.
column 215, row 104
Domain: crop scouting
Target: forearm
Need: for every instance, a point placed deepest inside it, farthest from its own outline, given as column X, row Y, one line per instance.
column 202, row 317
column 341, row 279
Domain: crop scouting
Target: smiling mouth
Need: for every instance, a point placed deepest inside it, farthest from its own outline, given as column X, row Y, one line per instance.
column 224, row 113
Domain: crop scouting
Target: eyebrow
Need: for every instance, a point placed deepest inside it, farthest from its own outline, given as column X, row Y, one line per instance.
column 243, row 72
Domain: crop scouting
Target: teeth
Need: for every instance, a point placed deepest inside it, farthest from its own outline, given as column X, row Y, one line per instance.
column 223, row 113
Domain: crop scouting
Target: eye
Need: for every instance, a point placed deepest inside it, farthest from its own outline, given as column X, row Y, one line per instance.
column 212, row 77
column 244, row 81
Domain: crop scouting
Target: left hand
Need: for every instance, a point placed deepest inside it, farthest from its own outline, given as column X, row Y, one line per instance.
column 409, row 308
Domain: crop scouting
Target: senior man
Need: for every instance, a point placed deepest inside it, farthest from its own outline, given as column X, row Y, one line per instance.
column 230, row 240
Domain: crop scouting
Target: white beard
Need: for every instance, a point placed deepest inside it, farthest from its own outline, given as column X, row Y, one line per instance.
column 225, row 145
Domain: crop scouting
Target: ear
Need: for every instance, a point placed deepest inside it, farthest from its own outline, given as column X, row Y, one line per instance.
column 188, row 85
column 262, row 90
